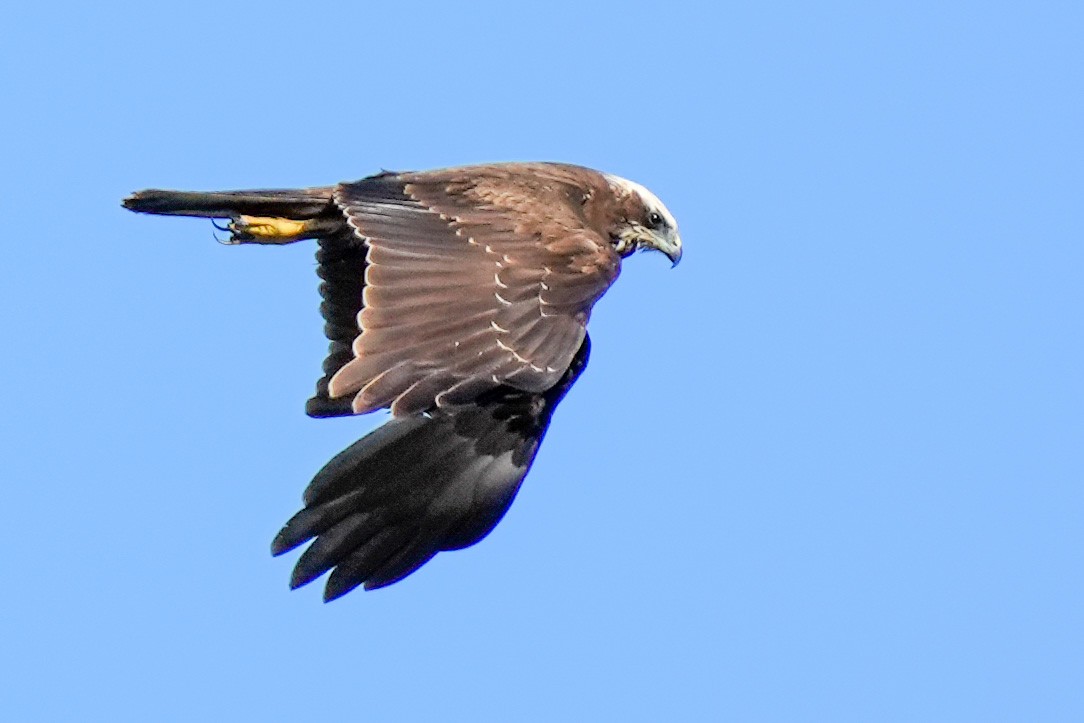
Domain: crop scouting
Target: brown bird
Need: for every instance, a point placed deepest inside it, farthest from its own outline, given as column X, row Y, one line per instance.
column 458, row 298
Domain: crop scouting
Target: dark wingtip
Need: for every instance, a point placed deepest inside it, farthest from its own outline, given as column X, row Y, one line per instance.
column 293, row 534
column 302, row 576
column 338, row 585
column 314, row 562
column 323, row 406
column 281, row 543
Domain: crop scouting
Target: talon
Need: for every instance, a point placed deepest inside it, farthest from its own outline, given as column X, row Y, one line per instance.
column 236, row 235
column 267, row 229
column 228, row 241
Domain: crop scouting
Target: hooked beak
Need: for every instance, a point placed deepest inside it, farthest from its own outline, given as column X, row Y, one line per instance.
column 670, row 245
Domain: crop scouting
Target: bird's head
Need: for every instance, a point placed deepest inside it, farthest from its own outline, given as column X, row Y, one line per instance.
column 644, row 221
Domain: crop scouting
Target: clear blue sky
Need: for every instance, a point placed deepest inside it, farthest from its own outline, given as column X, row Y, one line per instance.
column 831, row 468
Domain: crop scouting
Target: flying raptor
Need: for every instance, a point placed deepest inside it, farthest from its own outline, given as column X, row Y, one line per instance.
column 458, row 298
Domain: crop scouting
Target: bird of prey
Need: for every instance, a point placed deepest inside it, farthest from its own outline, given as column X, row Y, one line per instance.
column 458, row 298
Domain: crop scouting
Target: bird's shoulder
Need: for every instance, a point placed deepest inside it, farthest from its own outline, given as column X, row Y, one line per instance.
column 550, row 194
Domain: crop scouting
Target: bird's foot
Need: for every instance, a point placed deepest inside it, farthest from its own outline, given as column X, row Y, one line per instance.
column 266, row 230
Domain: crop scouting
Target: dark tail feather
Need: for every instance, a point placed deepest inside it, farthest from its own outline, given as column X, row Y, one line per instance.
column 418, row 485
column 302, row 203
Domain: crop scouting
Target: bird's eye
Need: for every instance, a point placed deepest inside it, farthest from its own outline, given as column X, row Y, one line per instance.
column 654, row 219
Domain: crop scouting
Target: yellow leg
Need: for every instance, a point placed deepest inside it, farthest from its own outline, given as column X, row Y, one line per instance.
column 276, row 230
column 269, row 229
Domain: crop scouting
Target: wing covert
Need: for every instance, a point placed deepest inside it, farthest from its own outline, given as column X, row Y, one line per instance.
column 473, row 280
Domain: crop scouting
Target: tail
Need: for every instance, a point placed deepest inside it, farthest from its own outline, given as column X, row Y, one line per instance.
column 298, row 204
column 418, row 485
column 261, row 217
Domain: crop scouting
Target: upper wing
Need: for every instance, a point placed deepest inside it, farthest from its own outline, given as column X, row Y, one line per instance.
column 418, row 485
column 475, row 278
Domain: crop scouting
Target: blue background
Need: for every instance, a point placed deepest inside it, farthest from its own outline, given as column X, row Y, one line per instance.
column 828, row 469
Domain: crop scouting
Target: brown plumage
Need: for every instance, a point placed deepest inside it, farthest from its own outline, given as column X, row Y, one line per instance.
column 449, row 295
